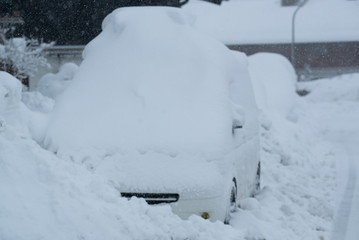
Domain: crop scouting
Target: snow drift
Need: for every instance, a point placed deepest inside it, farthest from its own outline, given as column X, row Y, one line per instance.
column 10, row 94
column 12, row 110
column 52, row 85
column 336, row 89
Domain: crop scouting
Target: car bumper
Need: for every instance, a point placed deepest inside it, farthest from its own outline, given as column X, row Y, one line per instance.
column 215, row 207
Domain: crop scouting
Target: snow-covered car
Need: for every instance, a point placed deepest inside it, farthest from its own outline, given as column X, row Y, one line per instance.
column 163, row 113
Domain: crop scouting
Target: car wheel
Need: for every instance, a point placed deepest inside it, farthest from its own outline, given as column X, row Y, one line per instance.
column 231, row 203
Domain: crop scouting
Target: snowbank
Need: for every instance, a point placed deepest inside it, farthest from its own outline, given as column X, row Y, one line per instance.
column 28, row 120
column 340, row 88
column 10, row 92
column 11, row 109
column 51, row 85
column 265, row 21
column 148, row 82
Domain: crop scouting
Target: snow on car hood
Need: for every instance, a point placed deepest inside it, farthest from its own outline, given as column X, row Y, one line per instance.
column 159, row 173
column 149, row 81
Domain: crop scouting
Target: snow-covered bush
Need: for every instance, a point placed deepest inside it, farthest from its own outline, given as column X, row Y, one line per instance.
column 52, row 85
column 21, row 57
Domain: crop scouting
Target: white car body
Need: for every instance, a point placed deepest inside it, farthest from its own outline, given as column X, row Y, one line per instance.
column 240, row 165
column 155, row 108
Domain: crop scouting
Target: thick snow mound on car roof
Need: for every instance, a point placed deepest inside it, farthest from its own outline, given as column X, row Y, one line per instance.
column 273, row 78
column 149, row 81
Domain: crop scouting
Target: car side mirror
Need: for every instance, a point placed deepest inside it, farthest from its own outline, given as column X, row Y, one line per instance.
column 238, row 118
column 237, row 125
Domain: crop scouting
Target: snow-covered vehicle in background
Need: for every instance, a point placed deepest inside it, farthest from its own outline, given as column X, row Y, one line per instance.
column 163, row 113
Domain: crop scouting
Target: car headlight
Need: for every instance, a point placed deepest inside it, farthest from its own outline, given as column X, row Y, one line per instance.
column 205, row 215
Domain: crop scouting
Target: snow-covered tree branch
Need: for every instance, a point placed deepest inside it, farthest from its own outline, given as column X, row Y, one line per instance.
column 21, row 57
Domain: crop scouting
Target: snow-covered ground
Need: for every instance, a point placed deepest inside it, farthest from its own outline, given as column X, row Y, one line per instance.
column 44, row 196
column 335, row 103
column 308, row 149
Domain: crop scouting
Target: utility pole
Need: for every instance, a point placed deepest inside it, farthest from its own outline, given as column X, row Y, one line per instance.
column 301, row 4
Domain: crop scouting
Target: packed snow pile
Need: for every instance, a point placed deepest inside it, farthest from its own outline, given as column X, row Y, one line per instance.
column 336, row 89
column 17, row 116
column 51, row 85
column 37, row 102
column 10, row 93
column 166, row 92
column 13, row 111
